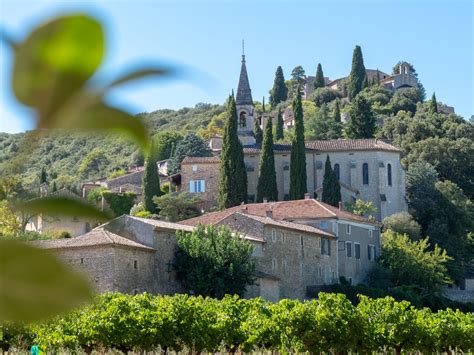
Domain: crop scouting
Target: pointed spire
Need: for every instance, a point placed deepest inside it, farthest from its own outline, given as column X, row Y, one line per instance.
column 244, row 94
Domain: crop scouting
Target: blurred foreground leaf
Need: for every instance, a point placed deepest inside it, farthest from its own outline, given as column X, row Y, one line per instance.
column 63, row 206
column 140, row 74
column 55, row 61
column 34, row 285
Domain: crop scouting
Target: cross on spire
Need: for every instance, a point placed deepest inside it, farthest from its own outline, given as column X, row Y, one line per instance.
column 243, row 51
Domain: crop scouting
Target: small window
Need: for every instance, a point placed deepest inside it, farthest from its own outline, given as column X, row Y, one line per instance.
column 283, row 264
column 325, row 247
column 286, row 168
column 371, row 233
column 389, row 174
column 274, row 235
column 274, row 264
column 286, row 197
column 348, row 229
column 82, row 260
column 301, row 241
column 197, row 186
column 349, row 249
column 135, row 264
column 323, row 224
column 282, row 237
column 357, row 250
column 337, row 171
column 249, row 168
column 365, row 174
column 195, row 168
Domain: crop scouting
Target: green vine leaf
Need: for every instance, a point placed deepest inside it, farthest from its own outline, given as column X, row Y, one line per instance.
column 35, row 285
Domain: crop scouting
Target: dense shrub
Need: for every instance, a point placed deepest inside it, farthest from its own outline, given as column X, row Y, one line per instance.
column 330, row 324
column 119, row 203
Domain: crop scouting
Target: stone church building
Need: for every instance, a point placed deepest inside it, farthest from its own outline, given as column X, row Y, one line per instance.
column 368, row 169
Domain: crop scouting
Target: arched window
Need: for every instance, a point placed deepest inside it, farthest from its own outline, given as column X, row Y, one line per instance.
column 389, row 174
column 243, row 119
column 337, row 171
column 365, row 174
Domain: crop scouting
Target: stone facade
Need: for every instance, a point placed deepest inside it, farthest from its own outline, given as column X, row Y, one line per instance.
column 384, row 185
column 73, row 225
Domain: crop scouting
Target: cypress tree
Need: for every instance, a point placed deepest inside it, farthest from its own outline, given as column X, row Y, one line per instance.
column 378, row 77
column 358, row 76
column 319, row 80
column 337, row 111
column 151, row 181
column 361, row 119
column 267, row 185
column 233, row 175
column 43, row 176
column 298, row 185
column 279, row 92
column 54, row 188
column 433, row 104
column 331, row 186
column 257, row 131
column 279, row 126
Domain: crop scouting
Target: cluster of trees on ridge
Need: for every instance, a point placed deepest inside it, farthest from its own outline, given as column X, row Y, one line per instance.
column 330, row 324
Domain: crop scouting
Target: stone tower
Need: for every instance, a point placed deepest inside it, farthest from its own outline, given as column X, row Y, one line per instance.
column 245, row 107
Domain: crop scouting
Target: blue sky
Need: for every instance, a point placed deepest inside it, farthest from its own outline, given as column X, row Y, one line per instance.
column 205, row 37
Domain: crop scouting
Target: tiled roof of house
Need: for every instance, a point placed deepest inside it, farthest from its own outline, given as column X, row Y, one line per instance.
column 287, row 225
column 163, row 224
column 283, row 210
column 351, row 145
column 201, row 160
column 96, row 237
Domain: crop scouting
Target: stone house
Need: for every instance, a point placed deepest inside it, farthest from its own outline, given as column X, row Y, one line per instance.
column 354, row 241
column 368, row 169
column 75, row 225
column 292, row 251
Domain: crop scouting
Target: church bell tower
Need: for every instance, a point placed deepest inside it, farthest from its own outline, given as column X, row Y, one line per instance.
column 245, row 107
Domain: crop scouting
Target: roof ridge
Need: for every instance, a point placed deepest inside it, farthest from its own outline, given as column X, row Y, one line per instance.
column 322, row 205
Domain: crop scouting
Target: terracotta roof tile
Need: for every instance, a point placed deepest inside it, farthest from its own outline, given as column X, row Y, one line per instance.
column 96, row 237
column 283, row 210
column 201, row 160
column 351, row 145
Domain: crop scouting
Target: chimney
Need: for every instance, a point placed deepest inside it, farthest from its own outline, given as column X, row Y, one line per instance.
column 340, row 206
column 269, row 213
column 306, row 196
column 265, row 200
column 244, row 209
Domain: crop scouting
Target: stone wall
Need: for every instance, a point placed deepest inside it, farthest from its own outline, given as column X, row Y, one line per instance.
column 74, row 225
column 209, row 172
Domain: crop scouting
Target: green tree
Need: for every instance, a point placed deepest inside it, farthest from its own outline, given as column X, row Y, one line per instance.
column 43, row 176
column 298, row 157
column 337, row 111
column 414, row 262
column 433, row 104
column 257, row 131
column 151, row 182
column 54, row 188
column 403, row 223
column 331, row 187
column 358, row 75
column 362, row 208
column 189, row 146
column 405, row 99
column 267, row 185
column 279, row 92
column 93, row 163
column 298, row 80
column 176, row 207
column 279, row 134
column 319, row 79
column 324, row 95
column 213, row 261
column 233, row 174
column 166, row 142
column 361, row 119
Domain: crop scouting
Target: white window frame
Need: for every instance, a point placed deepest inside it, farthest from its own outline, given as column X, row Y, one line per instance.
column 274, row 236
column 371, row 233
column 197, row 186
column 323, row 242
column 348, row 229
column 195, row 168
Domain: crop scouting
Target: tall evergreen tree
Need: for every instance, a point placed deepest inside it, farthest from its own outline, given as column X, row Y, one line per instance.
column 43, row 176
column 337, row 111
column 331, row 186
column 151, row 181
column 298, row 185
column 361, row 119
column 279, row 92
column 257, row 131
column 267, row 185
column 279, row 126
column 433, row 104
column 233, row 175
column 54, row 187
column 319, row 80
column 298, row 80
column 358, row 76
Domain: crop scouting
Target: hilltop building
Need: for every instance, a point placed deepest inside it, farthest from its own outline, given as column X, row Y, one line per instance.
column 368, row 169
